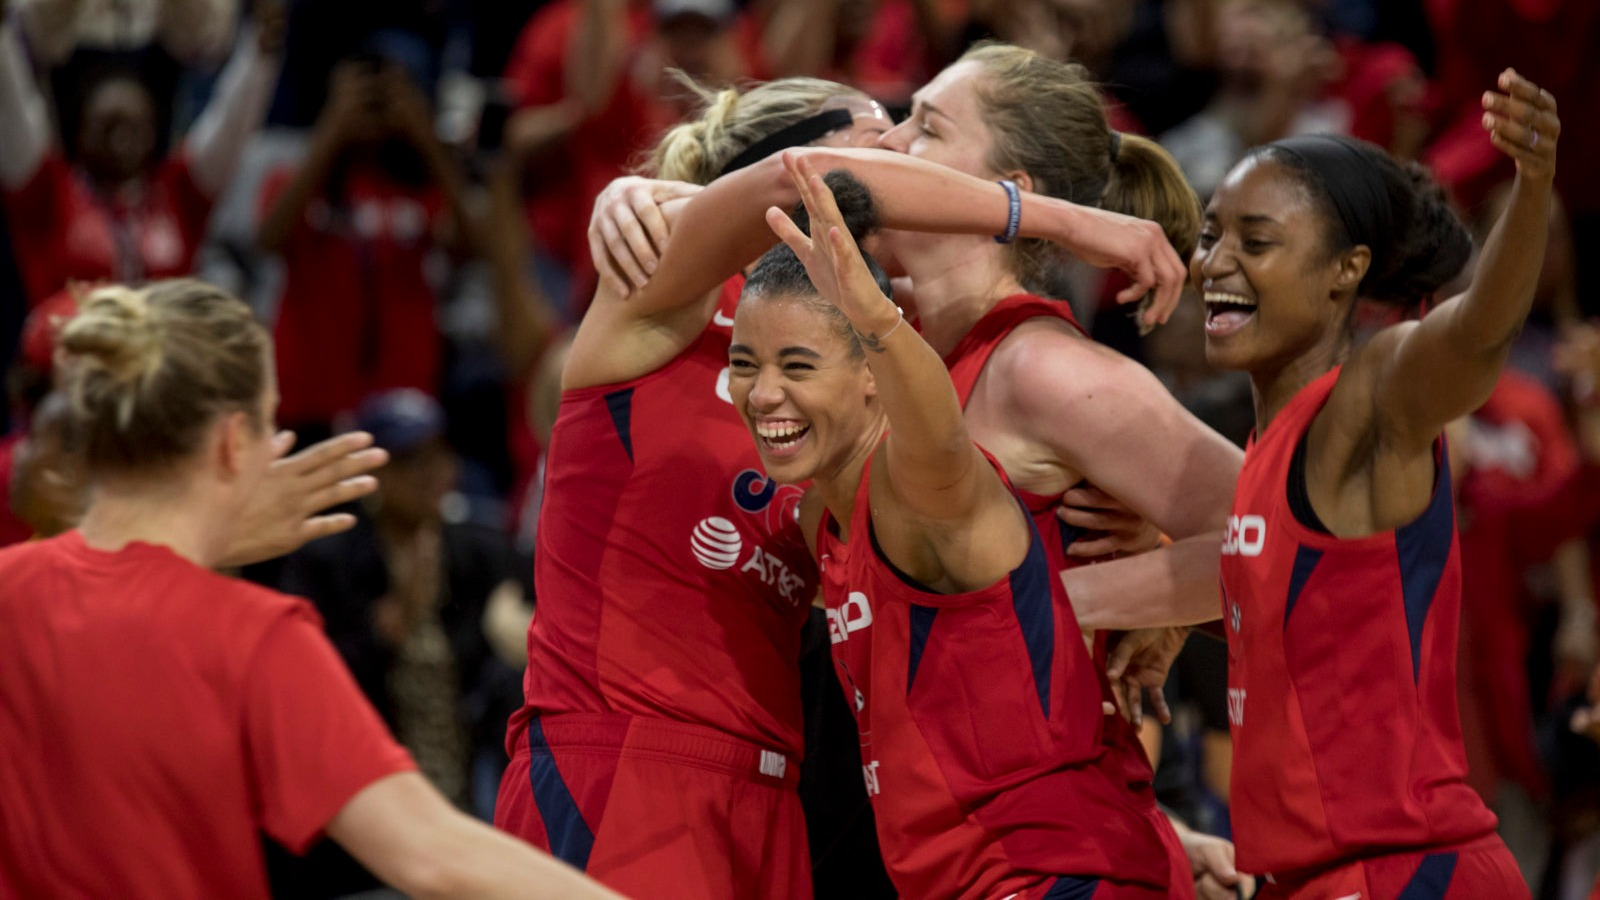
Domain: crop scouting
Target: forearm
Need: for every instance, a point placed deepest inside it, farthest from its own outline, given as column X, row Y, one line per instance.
column 798, row 39
column 1175, row 585
column 279, row 222
column 52, row 27
column 234, row 115
column 724, row 228
column 596, row 53
column 197, row 31
column 1492, row 309
column 24, row 120
column 526, row 321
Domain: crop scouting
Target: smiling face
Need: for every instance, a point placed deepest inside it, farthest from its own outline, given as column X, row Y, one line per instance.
column 808, row 400
column 1272, row 289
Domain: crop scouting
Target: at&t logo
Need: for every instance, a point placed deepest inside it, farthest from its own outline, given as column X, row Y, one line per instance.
column 716, row 543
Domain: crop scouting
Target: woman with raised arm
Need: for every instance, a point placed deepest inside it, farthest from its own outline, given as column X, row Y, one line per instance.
column 1341, row 576
column 658, row 745
column 977, row 702
column 1052, row 405
column 158, row 718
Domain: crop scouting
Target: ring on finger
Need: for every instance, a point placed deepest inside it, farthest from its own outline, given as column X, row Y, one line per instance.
column 1535, row 141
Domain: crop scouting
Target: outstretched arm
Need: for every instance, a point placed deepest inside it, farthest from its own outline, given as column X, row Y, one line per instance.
column 934, row 470
column 722, row 229
column 1446, row 365
column 244, row 91
column 25, row 131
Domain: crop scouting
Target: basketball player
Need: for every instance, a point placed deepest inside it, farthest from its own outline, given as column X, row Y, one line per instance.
column 983, row 737
column 1340, row 570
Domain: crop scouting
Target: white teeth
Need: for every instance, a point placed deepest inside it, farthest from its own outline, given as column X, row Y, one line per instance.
column 1234, row 299
column 780, row 432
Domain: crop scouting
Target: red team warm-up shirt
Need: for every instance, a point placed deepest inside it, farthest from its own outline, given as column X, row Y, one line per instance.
column 156, row 718
column 672, row 578
column 1341, row 673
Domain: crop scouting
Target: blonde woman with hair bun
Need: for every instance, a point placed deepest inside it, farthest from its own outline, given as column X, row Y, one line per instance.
column 161, row 717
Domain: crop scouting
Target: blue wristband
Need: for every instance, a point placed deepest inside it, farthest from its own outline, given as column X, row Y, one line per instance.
column 1014, row 218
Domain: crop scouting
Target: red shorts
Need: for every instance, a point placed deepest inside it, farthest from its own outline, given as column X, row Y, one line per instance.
column 1478, row 870
column 658, row 809
column 1080, row 888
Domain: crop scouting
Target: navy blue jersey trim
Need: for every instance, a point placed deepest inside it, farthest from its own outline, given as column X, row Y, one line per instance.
column 571, row 841
column 1432, row 878
column 1423, row 548
column 620, row 403
column 1036, row 614
column 1071, row 887
column 921, row 625
column 1305, row 562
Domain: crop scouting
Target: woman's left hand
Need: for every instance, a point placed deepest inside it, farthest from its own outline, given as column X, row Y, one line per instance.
column 1522, row 123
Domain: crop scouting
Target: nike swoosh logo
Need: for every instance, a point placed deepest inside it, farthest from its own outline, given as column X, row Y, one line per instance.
column 1355, row 896
column 719, row 319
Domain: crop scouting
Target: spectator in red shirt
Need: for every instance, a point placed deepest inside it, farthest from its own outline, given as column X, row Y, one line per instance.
column 115, row 209
column 165, row 716
column 605, row 60
column 355, row 223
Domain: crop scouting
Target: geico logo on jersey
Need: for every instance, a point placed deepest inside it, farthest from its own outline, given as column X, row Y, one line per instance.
column 869, row 774
column 1236, row 707
column 854, row 615
column 1246, row 536
column 716, row 543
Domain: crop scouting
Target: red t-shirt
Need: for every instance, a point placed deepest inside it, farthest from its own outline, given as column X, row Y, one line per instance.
column 12, row 529
column 357, row 312
column 61, row 228
column 1341, row 673
column 156, row 718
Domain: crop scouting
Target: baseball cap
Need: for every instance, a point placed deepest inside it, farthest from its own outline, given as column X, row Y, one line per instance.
column 715, row 10
column 400, row 420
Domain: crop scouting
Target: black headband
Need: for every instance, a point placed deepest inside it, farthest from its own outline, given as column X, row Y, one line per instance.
column 799, row 134
column 1354, row 185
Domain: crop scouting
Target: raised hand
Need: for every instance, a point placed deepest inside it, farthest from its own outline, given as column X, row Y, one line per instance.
column 1522, row 123
column 286, row 512
column 831, row 257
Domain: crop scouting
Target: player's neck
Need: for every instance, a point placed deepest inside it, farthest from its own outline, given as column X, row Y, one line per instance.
column 122, row 512
column 840, row 485
column 955, row 285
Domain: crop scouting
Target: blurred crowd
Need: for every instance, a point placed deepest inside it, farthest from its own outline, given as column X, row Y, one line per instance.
column 402, row 190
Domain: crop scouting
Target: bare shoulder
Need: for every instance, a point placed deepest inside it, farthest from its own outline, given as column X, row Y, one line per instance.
column 1044, row 367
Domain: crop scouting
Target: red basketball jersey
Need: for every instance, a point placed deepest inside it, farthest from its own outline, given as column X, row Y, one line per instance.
column 1341, row 673
column 966, row 363
column 671, row 576
column 982, row 736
